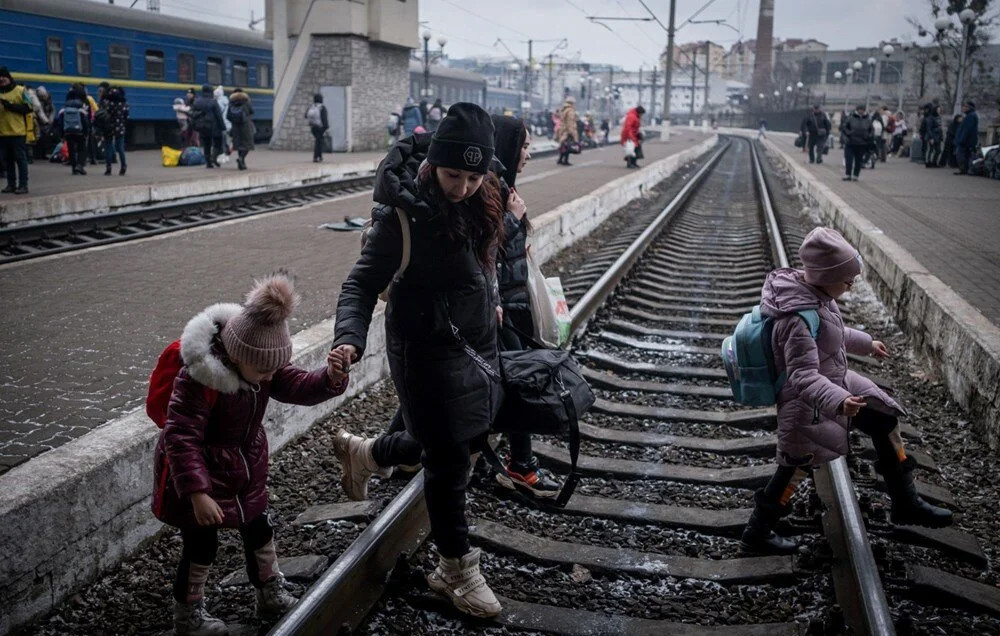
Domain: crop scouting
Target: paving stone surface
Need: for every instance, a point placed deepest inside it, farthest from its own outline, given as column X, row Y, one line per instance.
column 947, row 222
column 82, row 330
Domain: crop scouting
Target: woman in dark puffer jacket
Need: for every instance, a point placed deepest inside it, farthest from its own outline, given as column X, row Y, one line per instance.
column 211, row 460
column 441, row 320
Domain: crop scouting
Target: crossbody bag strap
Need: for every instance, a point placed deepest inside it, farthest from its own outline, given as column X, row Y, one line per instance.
column 472, row 353
column 574, row 451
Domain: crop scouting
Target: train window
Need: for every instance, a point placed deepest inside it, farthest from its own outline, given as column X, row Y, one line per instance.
column 240, row 73
column 54, row 54
column 213, row 71
column 155, row 67
column 82, row 58
column 119, row 62
column 264, row 75
column 185, row 68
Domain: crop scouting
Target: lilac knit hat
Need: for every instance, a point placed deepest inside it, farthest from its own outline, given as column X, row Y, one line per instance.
column 258, row 336
column 828, row 258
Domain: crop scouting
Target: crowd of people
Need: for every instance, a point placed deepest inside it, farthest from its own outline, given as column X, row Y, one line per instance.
column 82, row 128
column 217, row 124
column 447, row 248
column 867, row 138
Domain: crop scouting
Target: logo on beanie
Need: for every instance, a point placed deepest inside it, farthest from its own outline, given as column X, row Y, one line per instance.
column 473, row 156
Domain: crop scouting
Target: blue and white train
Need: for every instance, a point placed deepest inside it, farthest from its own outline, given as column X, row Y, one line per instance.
column 154, row 57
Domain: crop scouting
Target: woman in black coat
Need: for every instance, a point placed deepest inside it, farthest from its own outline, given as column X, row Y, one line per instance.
column 441, row 320
column 512, row 152
column 948, row 155
column 930, row 132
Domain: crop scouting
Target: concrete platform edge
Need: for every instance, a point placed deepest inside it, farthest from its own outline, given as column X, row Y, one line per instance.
column 947, row 331
column 78, row 510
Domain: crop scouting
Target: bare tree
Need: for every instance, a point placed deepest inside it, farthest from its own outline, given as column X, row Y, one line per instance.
column 946, row 50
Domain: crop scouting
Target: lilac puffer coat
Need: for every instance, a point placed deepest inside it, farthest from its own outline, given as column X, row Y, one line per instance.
column 811, row 429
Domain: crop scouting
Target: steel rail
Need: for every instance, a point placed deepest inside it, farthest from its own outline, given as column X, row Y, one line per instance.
column 180, row 214
column 857, row 583
column 591, row 301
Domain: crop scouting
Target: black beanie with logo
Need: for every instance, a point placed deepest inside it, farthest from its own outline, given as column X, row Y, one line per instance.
column 463, row 140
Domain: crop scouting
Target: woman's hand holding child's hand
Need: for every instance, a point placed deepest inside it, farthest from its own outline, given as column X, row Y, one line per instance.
column 338, row 363
column 206, row 511
column 879, row 350
column 852, row 405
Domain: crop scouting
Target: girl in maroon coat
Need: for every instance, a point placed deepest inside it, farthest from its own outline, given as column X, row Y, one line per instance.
column 211, row 460
column 822, row 399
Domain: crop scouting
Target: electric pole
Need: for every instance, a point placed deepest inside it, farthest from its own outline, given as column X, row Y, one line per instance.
column 694, row 79
column 668, row 72
column 708, row 69
column 652, row 100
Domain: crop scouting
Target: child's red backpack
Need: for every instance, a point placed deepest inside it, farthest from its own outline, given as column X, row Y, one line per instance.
column 161, row 384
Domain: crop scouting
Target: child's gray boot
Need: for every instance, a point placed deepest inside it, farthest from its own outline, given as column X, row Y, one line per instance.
column 357, row 464
column 190, row 617
column 272, row 598
column 459, row 579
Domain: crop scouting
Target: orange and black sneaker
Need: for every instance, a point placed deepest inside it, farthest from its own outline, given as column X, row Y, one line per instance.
column 529, row 479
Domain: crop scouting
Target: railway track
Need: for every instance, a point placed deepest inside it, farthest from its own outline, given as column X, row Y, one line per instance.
column 679, row 458
column 33, row 240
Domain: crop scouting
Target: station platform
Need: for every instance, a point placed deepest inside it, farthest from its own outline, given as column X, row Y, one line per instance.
column 949, row 223
column 83, row 329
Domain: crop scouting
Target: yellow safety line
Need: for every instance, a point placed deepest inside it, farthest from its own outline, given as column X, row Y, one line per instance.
column 70, row 79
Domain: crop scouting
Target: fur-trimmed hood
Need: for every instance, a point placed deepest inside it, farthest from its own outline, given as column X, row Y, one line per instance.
column 197, row 341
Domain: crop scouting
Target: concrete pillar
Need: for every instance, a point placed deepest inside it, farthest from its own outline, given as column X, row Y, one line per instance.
column 354, row 52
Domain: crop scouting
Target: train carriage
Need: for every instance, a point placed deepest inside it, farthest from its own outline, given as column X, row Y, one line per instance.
column 154, row 57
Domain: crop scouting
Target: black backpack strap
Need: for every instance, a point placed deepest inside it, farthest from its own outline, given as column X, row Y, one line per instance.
column 574, row 452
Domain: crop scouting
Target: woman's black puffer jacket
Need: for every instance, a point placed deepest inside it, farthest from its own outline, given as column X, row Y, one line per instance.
column 445, row 397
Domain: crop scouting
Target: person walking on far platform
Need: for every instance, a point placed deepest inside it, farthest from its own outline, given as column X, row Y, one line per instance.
column 858, row 135
column 567, row 135
column 441, row 321
column 948, row 153
column 14, row 106
column 822, row 399
column 115, row 107
column 220, row 98
column 208, row 123
column 411, row 117
column 240, row 116
column 761, row 130
column 211, row 459
column 967, row 137
column 434, row 115
column 631, row 134
column 319, row 123
column 73, row 125
column 818, row 129
column 931, row 134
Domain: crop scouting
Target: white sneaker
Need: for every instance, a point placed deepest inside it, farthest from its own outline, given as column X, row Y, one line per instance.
column 192, row 619
column 460, row 581
column 357, row 464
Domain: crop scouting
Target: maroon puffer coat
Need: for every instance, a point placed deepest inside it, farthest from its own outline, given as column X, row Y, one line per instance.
column 221, row 450
column 811, row 429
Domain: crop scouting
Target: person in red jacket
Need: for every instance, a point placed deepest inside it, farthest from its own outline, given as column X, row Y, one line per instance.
column 631, row 131
column 211, row 459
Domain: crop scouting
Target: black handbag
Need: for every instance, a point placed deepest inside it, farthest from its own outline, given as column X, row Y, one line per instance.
column 544, row 394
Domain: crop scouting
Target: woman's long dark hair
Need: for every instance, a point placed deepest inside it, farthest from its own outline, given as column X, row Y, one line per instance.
column 478, row 219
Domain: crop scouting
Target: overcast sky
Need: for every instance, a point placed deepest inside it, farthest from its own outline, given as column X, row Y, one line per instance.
column 472, row 27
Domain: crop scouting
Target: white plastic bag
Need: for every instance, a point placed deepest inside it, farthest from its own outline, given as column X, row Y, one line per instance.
column 629, row 148
column 549, row 310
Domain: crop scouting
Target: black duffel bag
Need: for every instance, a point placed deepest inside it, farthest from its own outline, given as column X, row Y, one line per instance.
column 544, row 394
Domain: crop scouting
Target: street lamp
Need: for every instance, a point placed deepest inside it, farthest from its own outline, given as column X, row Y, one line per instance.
column 906, row 46
column 968, row 17
column 426, row 91
column 870, row 79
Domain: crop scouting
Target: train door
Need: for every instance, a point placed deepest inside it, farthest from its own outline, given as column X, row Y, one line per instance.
column 337, row 106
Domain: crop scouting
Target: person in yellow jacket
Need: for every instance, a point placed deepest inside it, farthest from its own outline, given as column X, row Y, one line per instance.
column 14, row 108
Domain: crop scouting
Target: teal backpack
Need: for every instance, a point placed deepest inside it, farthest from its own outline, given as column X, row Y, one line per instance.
column 749, row 359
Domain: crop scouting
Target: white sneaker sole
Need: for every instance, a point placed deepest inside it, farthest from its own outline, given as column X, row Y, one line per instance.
column 510, row 484
column 460, row 602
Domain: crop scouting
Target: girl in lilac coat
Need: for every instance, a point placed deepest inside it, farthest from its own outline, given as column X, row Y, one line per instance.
column 211, row 460
column 822, row 399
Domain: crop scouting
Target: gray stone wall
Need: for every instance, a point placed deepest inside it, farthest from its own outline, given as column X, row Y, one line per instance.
column 378, row 77
column 382, row 80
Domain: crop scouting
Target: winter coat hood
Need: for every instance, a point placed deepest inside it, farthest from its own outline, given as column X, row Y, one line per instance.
column 508, row 138
column 239, row 97
column 396, row 178
column 201, row 349
column 786, row 291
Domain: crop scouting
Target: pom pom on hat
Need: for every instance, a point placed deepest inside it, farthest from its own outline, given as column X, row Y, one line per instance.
column 259, row 335
column 828, row 258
